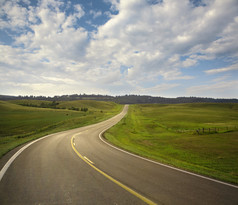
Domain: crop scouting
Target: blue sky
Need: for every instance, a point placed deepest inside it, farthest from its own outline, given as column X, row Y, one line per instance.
column 147, row 47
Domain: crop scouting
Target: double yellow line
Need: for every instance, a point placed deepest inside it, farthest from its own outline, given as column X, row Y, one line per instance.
column 146, row 200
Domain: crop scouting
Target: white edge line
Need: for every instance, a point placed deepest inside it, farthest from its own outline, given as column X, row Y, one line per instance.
column 164, row 165
column 10, row 161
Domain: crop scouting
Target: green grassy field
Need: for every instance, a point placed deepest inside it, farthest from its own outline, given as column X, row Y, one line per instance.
column 202, row 138
column 20, row 124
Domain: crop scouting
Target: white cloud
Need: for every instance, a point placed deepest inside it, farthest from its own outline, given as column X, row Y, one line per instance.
column 156, row 90
column 221, row 89
column 175, row 75
column 55, row 37
column 226, row 44
column 114, row 4
column 222, row 78
column 79, row 12
column 224, row 69
column 160, row 31
column 189, row 62
column 16, row 15
column 95, row 13
column 152, row 41
column 60, row 80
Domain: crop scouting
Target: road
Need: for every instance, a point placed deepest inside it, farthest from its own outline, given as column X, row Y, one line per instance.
column 77, row 167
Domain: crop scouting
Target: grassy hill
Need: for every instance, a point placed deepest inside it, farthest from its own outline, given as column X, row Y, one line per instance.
column 25, row 120
column 200, row 137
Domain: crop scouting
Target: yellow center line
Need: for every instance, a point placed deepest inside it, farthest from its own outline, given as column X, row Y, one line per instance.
column 146, row 200
column 88, row 160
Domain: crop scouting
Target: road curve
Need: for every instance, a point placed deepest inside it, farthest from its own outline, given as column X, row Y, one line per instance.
column 76, row 167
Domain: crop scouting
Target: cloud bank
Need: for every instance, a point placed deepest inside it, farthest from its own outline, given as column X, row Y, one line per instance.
column 144, row 47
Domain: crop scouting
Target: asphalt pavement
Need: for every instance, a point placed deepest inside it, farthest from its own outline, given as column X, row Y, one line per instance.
column 77, row 167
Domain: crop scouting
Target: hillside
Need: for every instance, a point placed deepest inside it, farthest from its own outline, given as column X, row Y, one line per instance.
column 25, row 120
column 200, row 137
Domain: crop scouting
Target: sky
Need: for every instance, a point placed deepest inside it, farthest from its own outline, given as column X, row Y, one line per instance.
column 163, row 48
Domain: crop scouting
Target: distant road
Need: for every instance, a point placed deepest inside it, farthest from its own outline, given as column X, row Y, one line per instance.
column 77, row 167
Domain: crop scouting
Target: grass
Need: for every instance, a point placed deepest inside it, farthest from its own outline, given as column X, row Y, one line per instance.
column 20, row 124
column 168, row 134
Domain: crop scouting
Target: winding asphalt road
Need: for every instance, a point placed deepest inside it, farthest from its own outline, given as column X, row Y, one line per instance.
column 77, row 167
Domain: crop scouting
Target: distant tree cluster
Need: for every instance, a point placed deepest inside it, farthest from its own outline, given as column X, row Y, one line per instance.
column 29, row 105
column 49, row 105
column 126, row 99
column 79, row 109
column 42, row 105
column 53, row 105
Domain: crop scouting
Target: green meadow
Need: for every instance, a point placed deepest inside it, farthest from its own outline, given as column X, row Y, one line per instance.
column 199, row 137
column 24, row 120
